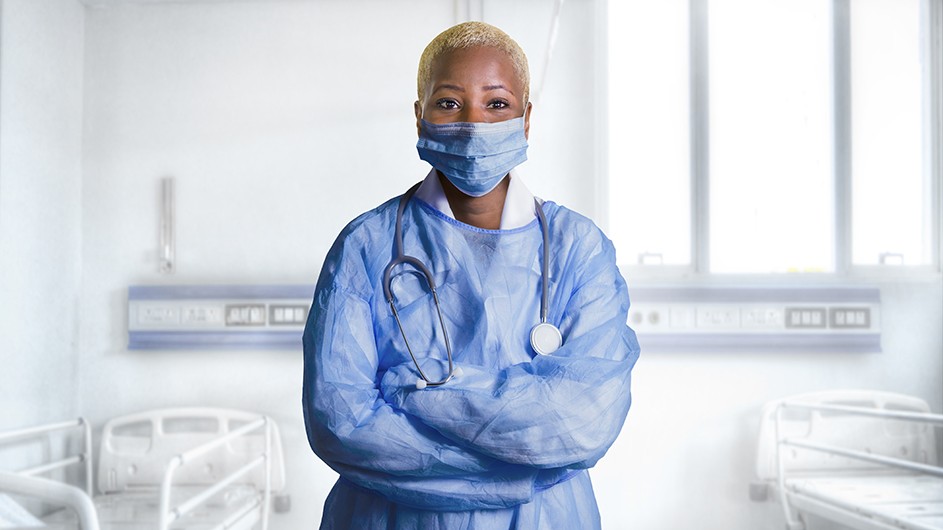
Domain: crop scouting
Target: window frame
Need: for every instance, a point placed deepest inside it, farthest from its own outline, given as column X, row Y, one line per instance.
column 845, row 270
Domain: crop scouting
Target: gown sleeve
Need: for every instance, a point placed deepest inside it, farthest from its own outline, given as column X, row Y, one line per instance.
column 368, row 442
column 558, row 411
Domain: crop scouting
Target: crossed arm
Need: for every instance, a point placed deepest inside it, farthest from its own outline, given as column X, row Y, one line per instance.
column 479, row 441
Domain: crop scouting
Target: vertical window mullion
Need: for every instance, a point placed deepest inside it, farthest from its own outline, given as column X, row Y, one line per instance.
column 700, row 141
column 841, row 63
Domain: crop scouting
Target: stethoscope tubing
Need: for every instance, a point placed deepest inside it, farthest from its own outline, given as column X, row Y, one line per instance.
column 400, row 258
column 544, row 273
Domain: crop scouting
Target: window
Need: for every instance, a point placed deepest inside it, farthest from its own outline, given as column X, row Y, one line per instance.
column 770, row 153
column 649, row 124
column 774, row 136
column 890, row 138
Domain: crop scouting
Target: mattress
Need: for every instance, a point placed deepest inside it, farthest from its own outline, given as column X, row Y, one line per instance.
column 911, row 502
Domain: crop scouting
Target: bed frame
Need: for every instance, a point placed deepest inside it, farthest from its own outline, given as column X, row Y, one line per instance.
column 861, row 459
column 169, row 468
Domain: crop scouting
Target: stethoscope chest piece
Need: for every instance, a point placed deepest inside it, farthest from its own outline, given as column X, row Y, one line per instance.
column 545, row 338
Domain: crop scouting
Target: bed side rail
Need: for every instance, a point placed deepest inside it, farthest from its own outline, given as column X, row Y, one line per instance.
column 54, row 492
column 26, row 482
column 783, row 442
column 136, row 448
column 899, row 463
column 40, row 430
column 840, row 426
column 168, row 515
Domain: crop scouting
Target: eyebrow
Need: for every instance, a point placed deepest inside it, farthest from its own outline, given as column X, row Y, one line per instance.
column 460, row 89
column 497, row 87
column 453, row 87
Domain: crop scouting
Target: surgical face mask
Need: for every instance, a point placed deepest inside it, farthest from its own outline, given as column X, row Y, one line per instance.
column 473, row 156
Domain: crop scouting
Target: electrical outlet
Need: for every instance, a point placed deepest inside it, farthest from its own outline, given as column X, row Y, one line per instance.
column 682, row 317
column 158, row 314
column 202, row 315
column 806, row 317
column 762, row 318
column 850, row 317
column 245, row 314
column 709, row 317
column 287, row 315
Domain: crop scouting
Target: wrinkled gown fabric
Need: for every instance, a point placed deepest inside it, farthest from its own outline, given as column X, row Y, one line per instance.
column 505, row 445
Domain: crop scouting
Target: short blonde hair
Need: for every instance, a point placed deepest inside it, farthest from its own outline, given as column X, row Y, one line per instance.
column 470, row 35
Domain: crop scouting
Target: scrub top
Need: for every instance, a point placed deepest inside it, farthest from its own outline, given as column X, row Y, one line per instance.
column 506, row 444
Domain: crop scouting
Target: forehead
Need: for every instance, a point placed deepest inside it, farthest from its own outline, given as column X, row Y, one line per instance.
column 476, row 64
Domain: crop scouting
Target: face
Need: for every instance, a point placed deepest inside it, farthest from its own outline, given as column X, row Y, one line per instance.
column 473, row 85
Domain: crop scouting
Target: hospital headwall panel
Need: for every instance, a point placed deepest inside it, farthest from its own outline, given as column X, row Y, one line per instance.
column 217, row 316
column 757, row 319
column 700, row 319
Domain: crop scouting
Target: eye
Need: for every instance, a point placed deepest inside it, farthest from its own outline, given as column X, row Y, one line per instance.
column 498, row 104
column 447, row 103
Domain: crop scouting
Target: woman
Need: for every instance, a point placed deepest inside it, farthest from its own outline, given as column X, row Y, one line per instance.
column 504, row 440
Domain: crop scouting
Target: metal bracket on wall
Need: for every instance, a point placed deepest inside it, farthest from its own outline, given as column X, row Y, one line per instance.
column 167, row 241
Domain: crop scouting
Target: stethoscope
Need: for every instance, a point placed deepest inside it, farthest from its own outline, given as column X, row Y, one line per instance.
column 545, row 338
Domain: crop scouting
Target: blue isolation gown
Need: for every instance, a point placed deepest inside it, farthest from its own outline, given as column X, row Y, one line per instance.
column 507, row 444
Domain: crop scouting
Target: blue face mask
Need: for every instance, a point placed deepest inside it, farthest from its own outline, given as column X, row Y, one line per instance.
column 473, row 156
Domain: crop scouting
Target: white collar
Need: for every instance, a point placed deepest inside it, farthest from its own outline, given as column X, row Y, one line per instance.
column 518, row 205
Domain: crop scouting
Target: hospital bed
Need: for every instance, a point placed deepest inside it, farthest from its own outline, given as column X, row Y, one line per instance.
column 182, row 468
column 851, row 459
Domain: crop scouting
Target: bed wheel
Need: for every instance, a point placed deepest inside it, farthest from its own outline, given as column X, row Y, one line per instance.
column 759, row 491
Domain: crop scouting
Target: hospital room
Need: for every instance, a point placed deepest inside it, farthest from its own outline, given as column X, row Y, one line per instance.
column 530, row 264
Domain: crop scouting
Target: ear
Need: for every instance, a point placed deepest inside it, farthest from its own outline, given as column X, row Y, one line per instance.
column 417, row 109
column 530, row 107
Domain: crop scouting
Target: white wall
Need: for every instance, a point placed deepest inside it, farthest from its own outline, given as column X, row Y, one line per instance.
column 41, row 54
column 281, row 121
column 686, row 455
